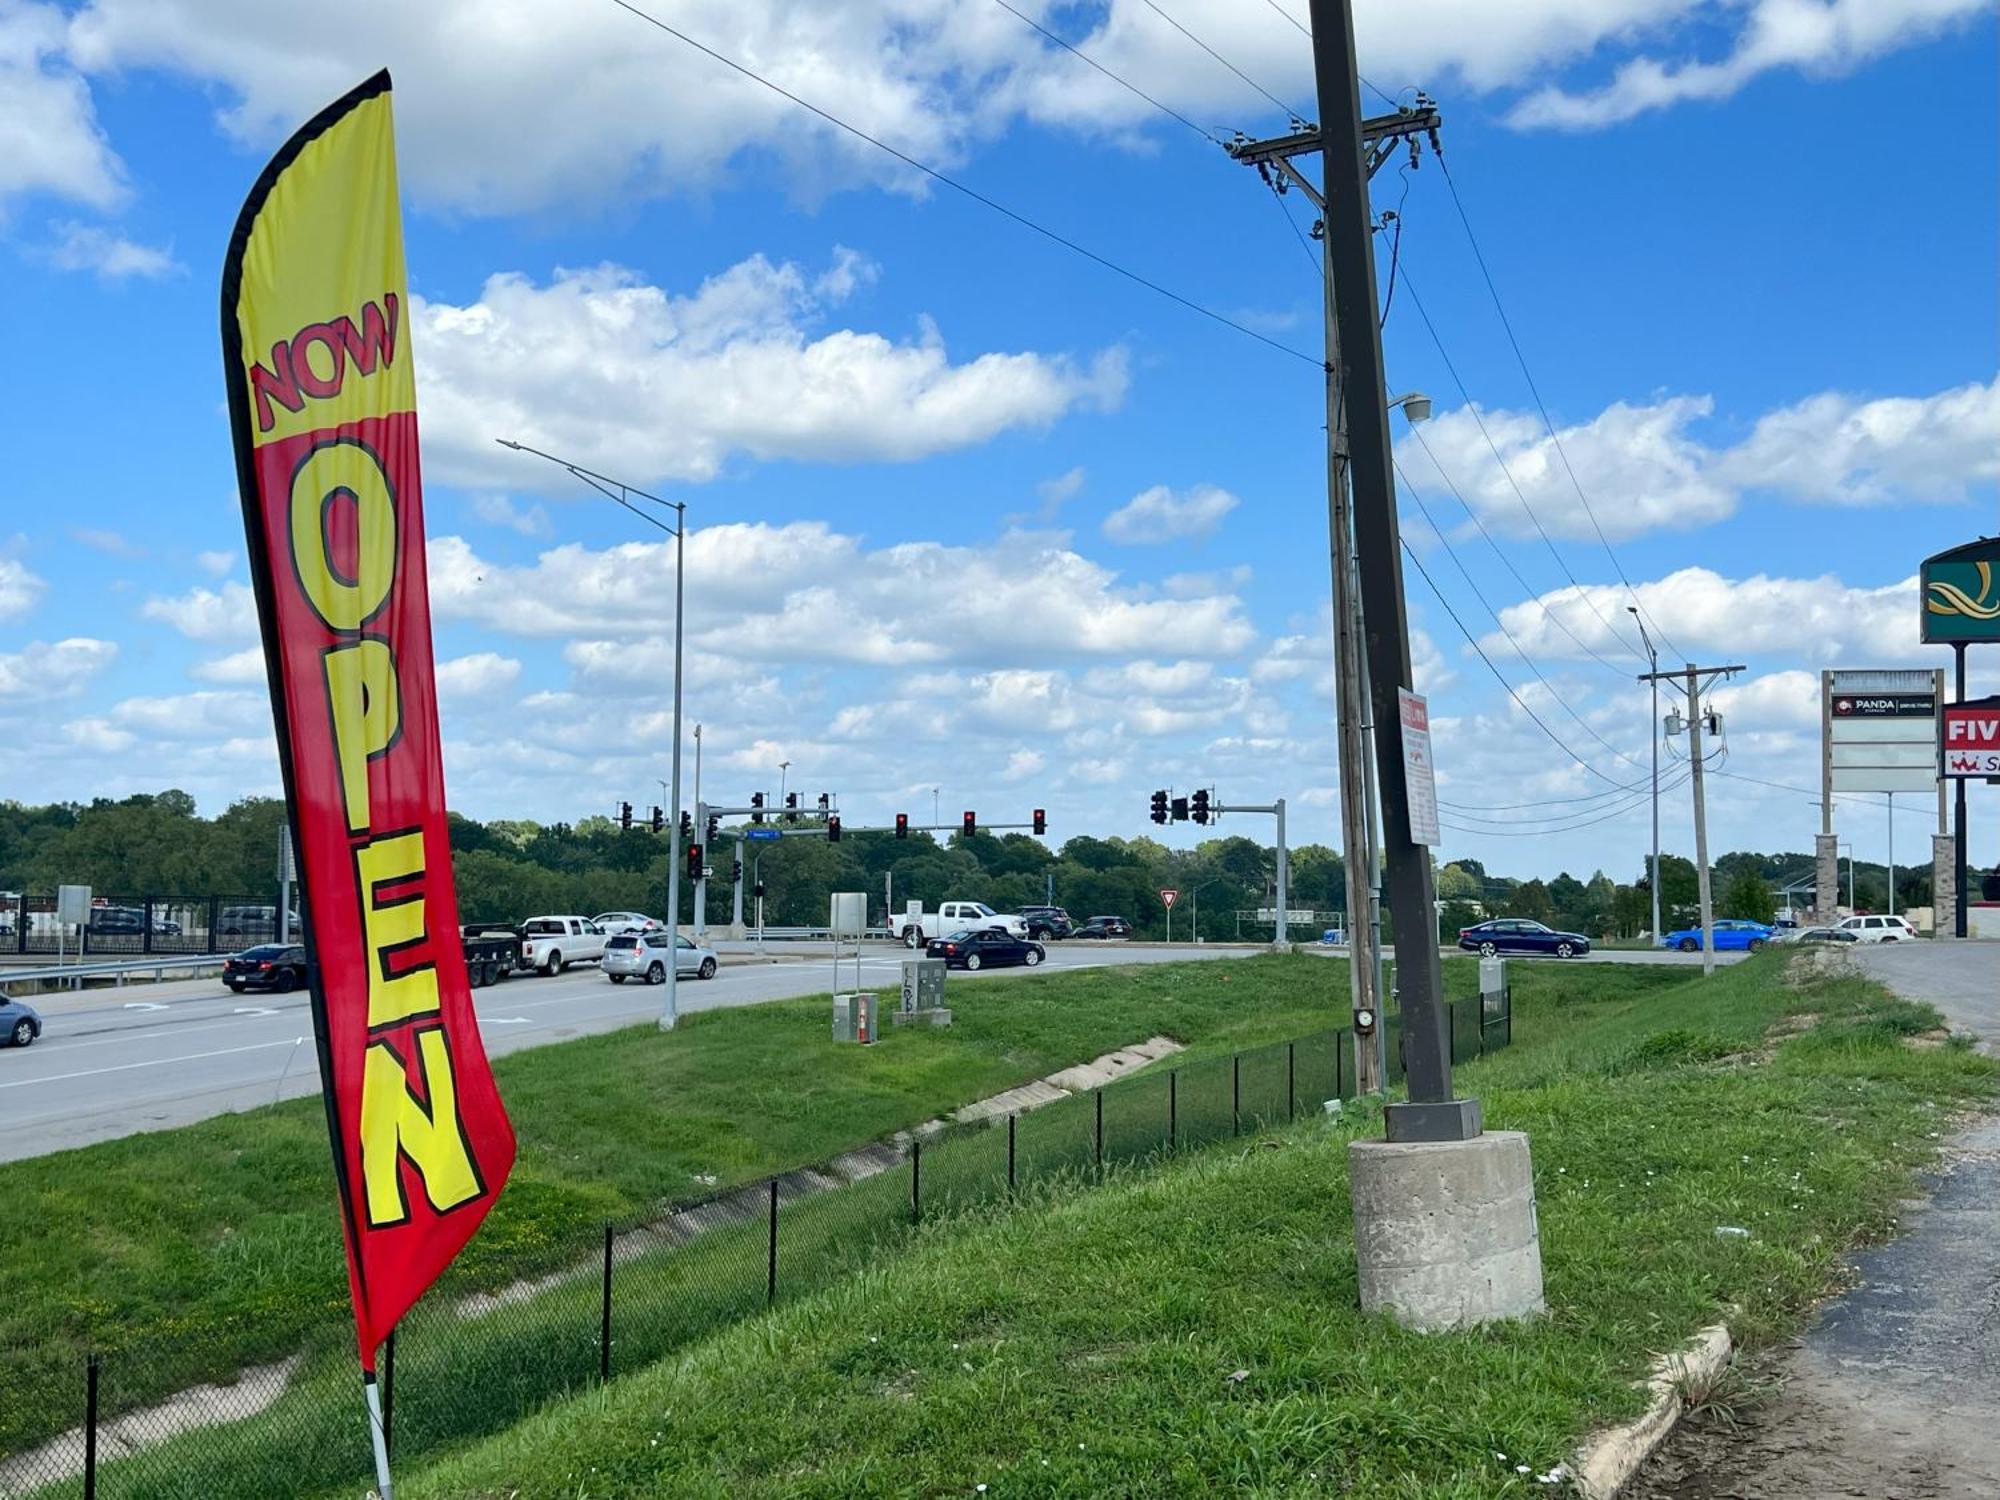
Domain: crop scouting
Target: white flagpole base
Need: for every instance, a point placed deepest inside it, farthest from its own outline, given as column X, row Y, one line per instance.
column 373, row 1392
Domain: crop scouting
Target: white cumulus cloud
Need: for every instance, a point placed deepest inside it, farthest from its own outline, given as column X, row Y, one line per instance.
column 1159, row 515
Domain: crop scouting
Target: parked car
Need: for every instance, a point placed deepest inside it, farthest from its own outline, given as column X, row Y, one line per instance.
column 1519, row 935
column 985, row 948
column 1819, row 935
column 552, row 944
column 1879, row 929
column 627, row 921
column 19, row 1025
column 250, row 921
column 1047, row 921
column 1732, row 934
column 268, row 966
column 1104, row 927
column 643, row 955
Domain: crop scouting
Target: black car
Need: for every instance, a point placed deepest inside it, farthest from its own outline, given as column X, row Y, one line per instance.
column 1047, row 921
column 985, row 948
column 1518, row 935
column 19, row 1025
column 269, row 966
column 1104, row 927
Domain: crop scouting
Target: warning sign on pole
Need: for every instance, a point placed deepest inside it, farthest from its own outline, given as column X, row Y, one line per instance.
column 1420, row 786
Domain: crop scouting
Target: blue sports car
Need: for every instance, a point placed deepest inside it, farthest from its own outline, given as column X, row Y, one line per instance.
column 1518, row 935
column 1730, row 933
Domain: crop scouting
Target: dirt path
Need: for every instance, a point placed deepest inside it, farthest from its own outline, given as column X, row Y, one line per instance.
column 1894, row 1392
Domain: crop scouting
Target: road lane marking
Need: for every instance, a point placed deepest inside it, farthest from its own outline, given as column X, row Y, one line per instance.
column 143, row 1005
column 153, row 1062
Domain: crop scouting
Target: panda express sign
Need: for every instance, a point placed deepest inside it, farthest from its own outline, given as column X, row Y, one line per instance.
column 322, row 404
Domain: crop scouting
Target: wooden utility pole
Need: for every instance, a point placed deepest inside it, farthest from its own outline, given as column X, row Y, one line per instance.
column 1689, row 681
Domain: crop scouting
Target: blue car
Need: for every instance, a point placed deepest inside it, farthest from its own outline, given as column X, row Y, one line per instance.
column 1518, row 935
column 1730, row 934
column 19, row 1025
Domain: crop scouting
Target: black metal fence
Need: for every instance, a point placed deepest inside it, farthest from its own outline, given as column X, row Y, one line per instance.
column 183, row 926
column 171, row 1424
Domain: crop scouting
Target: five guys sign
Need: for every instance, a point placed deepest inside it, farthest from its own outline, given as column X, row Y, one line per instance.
column 322, row 406
column 1969, row 741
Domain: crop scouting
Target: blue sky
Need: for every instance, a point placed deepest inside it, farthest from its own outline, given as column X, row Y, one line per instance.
column 970, row 511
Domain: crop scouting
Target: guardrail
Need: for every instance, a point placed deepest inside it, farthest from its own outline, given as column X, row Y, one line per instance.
column 74, row 975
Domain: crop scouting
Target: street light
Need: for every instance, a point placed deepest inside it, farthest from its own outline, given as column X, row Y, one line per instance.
column 622, row 493
column 1416, row 405
column 1653, row 736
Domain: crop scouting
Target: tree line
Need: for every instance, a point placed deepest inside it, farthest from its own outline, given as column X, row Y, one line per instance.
column 158, row 846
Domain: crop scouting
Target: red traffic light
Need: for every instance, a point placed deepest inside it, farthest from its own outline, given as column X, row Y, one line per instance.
column 1041, row 821
column 695, row 867
column 971, row 825
column 902, row 825
column 833, row 828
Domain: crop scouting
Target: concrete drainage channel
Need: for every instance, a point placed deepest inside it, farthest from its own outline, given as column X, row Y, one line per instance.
column 62, row 1458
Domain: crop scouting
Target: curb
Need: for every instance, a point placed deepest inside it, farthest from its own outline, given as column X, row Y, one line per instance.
column 1607, row 1461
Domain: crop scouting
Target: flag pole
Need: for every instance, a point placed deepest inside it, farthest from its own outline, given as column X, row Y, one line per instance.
column 373, row 1394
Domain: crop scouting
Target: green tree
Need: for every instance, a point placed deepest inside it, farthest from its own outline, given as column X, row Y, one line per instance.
column 1748, row 898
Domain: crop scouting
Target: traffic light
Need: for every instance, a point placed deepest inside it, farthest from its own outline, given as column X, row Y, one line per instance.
column 659, row 820
column 823, row 803
column 736, row 872
column 1180, row 807
column 714, row 826
column 695, row 867
column 1159, row 807
column 1041, row 821
column 971, row 825
column 757, row 890
column 791, row 807
column 833, row 828
column 756, row 807
column 625, row 815
column 687, row 828
column 902, row 825
column 1201, row 807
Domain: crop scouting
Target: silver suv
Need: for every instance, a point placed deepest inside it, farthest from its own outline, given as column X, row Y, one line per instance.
column 643, row 955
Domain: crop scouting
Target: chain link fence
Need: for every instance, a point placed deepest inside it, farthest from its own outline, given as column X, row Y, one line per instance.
column 133, row 1424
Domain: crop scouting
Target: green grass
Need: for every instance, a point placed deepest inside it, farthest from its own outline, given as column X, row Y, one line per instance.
column 1192, row 1327
column 186, row 1255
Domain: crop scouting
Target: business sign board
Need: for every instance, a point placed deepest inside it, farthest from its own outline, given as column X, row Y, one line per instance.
column 1880, row 730
column 1961, row 593
column 1419, row 780
column 1969, row 741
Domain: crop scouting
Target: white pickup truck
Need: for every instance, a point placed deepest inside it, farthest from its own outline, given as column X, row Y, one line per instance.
column 917, row 926
column 552, row 944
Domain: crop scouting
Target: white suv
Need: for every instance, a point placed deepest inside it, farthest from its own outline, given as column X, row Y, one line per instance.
column 1879, row 929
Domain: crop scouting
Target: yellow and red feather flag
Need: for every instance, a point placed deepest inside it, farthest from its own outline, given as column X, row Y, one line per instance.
column 322, row 405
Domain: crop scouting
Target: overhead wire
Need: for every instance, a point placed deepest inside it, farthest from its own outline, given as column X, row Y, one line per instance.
column 1306, row 31
column 1512, row 483
column 1125, row 83
column 1541, row 406
column 1318, row 361
column 1289, row 111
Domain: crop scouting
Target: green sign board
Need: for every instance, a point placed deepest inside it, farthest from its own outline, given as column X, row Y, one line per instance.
column 1961, row 593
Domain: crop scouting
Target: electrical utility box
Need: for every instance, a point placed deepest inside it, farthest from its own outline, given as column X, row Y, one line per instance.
column 855, row 1018
column 922, row 1000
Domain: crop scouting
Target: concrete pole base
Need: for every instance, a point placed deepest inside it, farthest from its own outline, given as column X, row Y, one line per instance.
column 1445, row 1232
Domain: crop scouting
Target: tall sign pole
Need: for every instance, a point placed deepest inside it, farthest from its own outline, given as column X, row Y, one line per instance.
column 1959, row 591
column 1355, row 360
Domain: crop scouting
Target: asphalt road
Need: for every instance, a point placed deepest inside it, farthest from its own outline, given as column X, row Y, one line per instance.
column 113, row 1062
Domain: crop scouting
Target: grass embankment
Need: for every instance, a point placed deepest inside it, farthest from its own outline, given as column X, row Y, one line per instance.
column 1194, row 1328
column 188, row 1254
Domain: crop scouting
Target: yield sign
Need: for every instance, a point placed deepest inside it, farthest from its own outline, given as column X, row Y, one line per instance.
column 1168, row 898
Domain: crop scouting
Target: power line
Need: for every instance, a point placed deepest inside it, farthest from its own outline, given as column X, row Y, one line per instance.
column 1512, row 483
column 1124, row 83
column 1479, row 594
column 1499, row 829
column 1519, row 702
column 1306, row 31
column 1317, row 361
column 1521, row 359
column 1417, row 431
column 1538, row 832
column 1292, row 113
